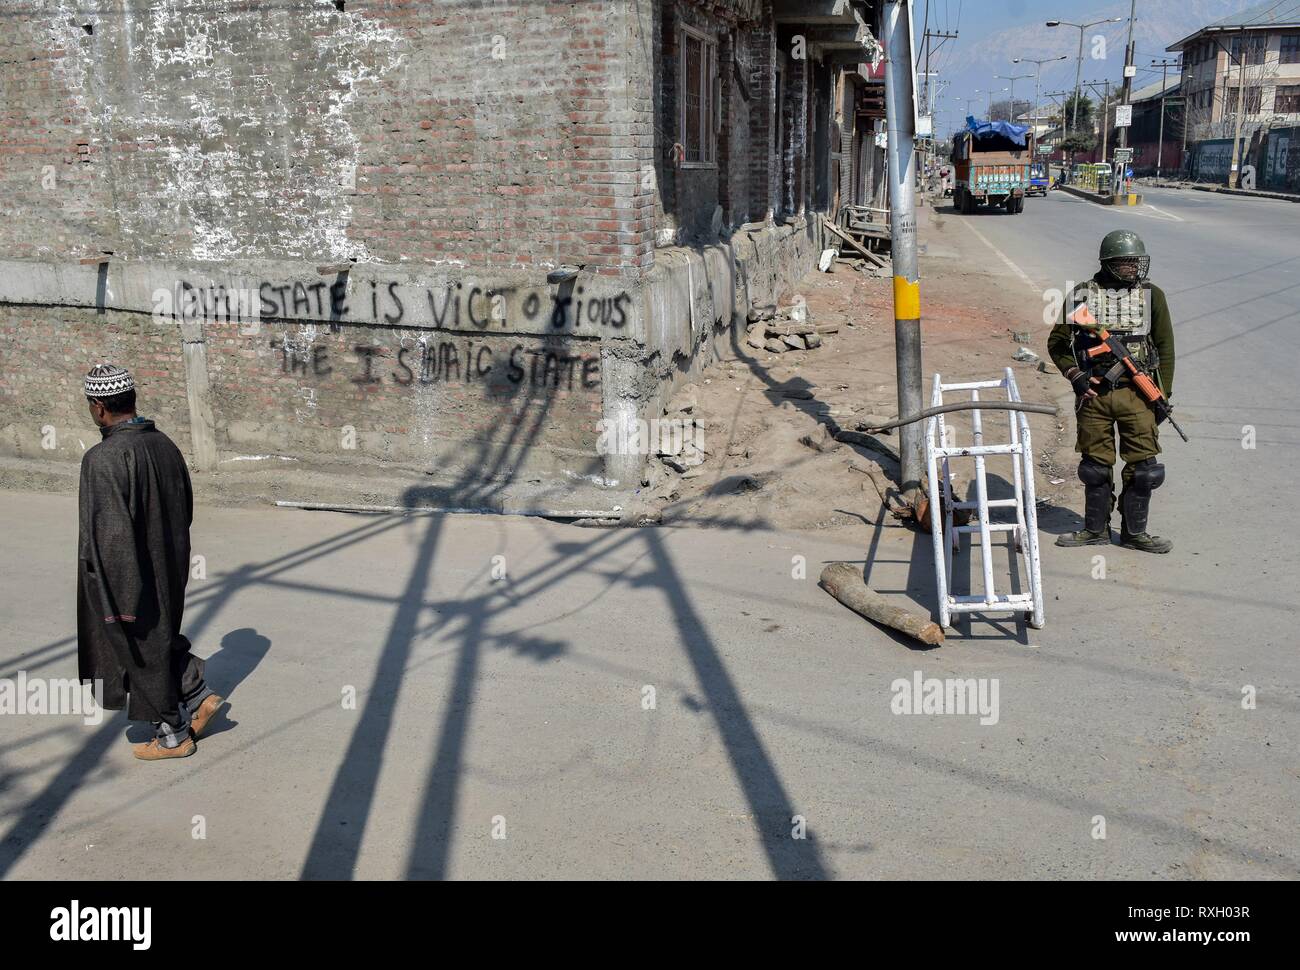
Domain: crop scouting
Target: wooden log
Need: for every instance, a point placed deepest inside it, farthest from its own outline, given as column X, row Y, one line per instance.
column 844, row 236
column 844, row 581
column 875, row 259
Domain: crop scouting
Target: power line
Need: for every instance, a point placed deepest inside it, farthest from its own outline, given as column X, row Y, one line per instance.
column 1264, row 14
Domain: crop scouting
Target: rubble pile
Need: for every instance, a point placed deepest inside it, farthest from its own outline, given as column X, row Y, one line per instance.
column 782, row 329
column 677, row 450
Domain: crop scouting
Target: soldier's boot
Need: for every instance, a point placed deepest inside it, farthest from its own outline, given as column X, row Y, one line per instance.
column 1135, row 505
column 1098, row 503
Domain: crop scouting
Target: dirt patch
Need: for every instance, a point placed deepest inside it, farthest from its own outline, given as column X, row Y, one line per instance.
column 769, row 419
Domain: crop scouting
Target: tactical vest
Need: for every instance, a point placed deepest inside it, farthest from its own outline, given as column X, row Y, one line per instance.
column 1126, row 313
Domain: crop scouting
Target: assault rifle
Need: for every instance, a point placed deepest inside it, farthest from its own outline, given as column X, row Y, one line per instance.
column 1110, row 344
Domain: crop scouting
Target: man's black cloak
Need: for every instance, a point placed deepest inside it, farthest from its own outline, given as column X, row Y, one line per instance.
column 133, row 563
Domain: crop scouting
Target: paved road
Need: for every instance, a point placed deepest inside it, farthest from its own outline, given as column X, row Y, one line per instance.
column 518, row 704
column 1172, row 641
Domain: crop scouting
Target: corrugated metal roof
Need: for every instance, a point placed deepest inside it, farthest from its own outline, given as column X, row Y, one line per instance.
column 1276, row 13
column 1170, row 84
column 1263, row 15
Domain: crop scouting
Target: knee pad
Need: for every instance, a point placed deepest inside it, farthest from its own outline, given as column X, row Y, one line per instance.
column 1148, row 475
column 1093, row 474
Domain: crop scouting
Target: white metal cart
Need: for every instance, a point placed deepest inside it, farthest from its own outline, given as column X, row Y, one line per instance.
column 940, row 449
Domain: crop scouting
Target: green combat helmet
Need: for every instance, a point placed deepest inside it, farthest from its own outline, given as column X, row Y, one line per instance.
column 1124, row 256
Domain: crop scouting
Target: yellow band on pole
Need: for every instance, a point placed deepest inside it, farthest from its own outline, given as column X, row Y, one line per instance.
column 907, row 299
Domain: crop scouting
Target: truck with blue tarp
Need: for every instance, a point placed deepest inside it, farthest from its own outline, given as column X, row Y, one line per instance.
column 991, row 160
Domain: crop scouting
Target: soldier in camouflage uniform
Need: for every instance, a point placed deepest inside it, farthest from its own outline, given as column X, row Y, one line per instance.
column 1121, row 300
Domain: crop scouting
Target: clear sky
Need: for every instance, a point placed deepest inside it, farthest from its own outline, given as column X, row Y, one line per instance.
column 993, row 32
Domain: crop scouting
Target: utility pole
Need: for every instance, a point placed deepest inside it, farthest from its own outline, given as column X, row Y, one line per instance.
column 926, row 142
column 900, row 106
column 1130, row 68
column 1160, row 142
column 942, row 36
column 1105, row 115
column 929, row 100
column 1065, row 98
column 1241, row 110
column 1105, row 119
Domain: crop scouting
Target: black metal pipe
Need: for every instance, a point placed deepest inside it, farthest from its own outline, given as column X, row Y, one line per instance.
column 970, row 406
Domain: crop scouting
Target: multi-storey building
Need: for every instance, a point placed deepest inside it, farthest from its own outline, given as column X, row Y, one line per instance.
column 1241, row 79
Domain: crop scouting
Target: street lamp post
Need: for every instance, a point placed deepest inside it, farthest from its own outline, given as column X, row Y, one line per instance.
column 991, row 93
column 1078, row 70
column 1038, row 81
column 1013, row 79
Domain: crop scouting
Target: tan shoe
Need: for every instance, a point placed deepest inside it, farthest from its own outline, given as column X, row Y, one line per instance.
column 153, row 751
column 203, row 716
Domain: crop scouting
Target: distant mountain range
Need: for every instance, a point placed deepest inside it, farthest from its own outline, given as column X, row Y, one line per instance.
column 973, row 60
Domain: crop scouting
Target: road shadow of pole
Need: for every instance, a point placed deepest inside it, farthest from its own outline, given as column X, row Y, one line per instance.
column 770, row 805
column 336, row 843
column 335, row 846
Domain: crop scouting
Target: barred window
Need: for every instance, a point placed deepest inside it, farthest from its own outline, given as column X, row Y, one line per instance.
column 1290, row 49
column 698, row 135
column 1255, row 47
column 1254, row 97
column 1288, row 99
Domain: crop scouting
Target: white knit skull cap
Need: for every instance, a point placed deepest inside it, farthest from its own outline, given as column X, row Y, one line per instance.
column 105, row 380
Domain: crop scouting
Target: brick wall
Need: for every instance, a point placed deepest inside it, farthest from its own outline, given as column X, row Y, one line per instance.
column 736, row 147
column 464, row 406
column 470, row 132
column 794, row 109
column 376, row 159
column 43, row 355
column 763, row 158
column 688, row 194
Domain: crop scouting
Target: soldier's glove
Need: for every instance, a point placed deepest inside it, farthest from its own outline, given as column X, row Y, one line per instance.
column 1081, row 382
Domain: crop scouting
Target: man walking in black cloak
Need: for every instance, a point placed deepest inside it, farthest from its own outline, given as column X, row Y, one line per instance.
column 134, row 561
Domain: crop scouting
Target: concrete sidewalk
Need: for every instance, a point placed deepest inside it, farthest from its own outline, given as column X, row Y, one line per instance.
column 1219, row 189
